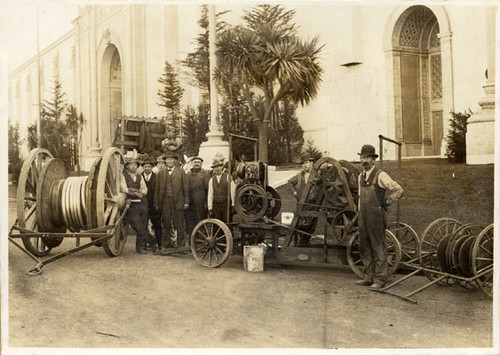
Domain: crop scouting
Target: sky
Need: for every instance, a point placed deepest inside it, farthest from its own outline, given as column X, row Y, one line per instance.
column 18, row 26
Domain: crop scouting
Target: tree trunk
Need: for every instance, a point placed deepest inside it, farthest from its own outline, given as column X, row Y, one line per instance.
column 263, row 138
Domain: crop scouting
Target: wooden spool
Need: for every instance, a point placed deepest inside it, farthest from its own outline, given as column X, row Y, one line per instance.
column 48, row 200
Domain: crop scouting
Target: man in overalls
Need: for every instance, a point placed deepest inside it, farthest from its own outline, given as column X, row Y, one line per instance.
column 376, row 192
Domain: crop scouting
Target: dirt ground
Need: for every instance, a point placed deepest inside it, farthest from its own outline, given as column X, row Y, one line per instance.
column 135, row 301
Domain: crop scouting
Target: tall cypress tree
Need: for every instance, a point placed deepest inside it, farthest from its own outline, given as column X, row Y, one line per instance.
column 170, row 95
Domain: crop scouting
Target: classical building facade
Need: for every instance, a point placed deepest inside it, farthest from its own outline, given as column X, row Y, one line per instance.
column 394, row 70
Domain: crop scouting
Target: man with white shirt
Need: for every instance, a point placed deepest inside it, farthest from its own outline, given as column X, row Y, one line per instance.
column 171, row 199
column 376, row 192
column 150, row 180
column 133, row 185
column 217, row 199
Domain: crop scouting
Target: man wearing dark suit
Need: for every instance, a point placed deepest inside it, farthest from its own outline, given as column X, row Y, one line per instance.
column 171, row 199
column 198, row 189
column 150, row 180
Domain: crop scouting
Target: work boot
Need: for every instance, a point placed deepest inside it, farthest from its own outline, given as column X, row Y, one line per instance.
column 376, row 286
column 364, row 282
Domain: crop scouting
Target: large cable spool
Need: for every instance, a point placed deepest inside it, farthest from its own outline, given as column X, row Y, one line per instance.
column 51, row 201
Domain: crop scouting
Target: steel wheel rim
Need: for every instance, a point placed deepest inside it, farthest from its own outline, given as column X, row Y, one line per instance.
column 408, row 239
column 393, row 254
column 107, row 194
column 211, row 242
column 482, row 258
column 26, row 199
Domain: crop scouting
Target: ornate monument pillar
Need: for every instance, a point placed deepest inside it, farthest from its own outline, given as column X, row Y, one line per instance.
column 480, row 138
column 215, row 144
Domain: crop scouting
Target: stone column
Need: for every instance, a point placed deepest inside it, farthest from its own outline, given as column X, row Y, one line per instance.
column 215, row 144
column 480, row 138
column 95, row 144
column 447, row 83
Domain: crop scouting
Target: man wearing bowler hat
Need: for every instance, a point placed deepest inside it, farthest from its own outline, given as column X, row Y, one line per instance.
column 376, row 192
column 198, row 189
column 171, row 200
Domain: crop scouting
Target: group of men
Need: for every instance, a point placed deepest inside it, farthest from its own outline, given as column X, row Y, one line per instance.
column 376, row 191
column 172, row 199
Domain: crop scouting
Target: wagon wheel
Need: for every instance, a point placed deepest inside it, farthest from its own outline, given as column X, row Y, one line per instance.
column 452, row 250
column 428, row 247
column 108, row 198
column 393, row 254
column 344, row 224
column 251, row 202
column 26, row 199
column 211, row 242
column 274, row 202
column 408, row 239
column 482, row 259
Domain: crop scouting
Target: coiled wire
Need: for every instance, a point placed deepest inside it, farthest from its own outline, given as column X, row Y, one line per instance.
column 73, row 202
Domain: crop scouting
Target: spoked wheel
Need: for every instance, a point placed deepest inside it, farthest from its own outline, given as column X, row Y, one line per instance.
column 26, row 199
column 428, row 247
column 211, row 242
column 482, row 259
column 344, row 224
column 393, row 254
column 408, row 239
column 108, row 198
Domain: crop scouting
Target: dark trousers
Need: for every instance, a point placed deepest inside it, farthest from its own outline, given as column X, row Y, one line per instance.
column 194, row 214
column 220, row 210
column 373, row 252
column 138, row 219
column 155, row 218
column 170, row 215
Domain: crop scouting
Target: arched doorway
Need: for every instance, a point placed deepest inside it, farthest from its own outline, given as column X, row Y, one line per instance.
column 417, row 75
column 110, row 95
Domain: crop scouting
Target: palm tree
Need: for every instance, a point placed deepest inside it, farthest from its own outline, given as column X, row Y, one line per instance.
column 267, row 57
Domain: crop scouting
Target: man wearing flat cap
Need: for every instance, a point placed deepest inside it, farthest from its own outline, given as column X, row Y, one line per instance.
column 133, row 185
column 198, row 191
column 376, row 192
column 171, row 200
column 150, row 180
column 305, row 190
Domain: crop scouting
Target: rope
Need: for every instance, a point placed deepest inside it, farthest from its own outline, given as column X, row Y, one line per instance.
column 73, row 202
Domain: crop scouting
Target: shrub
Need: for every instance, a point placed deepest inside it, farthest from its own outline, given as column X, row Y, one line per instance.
column 456, row 150
column 311, row 150
column 15, row 162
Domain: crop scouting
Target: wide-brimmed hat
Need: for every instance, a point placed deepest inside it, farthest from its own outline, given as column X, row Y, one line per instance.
column 129, row 160
column 306, row 158
column 216, row 163
column 148, row 161
column 368, row 150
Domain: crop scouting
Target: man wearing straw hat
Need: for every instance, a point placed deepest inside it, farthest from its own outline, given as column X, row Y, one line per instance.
column 133, row 185
column 376, row 192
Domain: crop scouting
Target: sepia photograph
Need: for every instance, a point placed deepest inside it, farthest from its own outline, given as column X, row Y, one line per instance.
column 249, row 177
